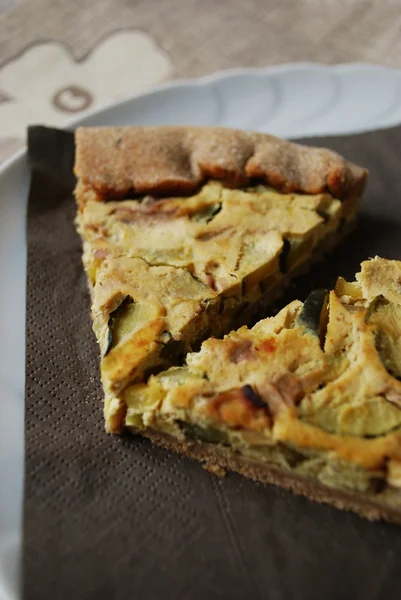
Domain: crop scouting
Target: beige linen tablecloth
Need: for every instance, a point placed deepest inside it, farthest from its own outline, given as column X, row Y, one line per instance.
column 60, row 58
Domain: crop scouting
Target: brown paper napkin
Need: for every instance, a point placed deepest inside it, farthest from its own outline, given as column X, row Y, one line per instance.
column 113, row 518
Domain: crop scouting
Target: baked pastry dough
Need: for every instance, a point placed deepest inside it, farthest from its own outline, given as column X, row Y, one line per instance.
column 309, row 399
column 189, row 232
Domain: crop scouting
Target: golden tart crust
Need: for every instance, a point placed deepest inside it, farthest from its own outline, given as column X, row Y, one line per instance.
column 114, row 162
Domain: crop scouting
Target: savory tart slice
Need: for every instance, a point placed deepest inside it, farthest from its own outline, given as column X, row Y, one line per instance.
column 309, row 399
column 190, row 232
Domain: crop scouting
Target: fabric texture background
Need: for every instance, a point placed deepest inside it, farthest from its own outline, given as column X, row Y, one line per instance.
column 48, row 48
column 112, row 517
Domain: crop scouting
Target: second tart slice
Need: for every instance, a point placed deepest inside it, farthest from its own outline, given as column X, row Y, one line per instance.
column 189, row 232
column 309, row 399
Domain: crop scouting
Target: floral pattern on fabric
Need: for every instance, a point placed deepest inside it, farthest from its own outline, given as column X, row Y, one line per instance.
column 46, row 85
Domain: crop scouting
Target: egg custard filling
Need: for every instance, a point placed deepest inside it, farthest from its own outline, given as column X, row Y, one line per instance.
column 168, row 273
column 309, row 399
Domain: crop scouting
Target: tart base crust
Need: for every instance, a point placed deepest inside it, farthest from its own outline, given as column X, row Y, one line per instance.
column 218, row 460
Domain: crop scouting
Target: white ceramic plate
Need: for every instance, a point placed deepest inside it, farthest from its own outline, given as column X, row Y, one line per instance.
column 290, row 100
